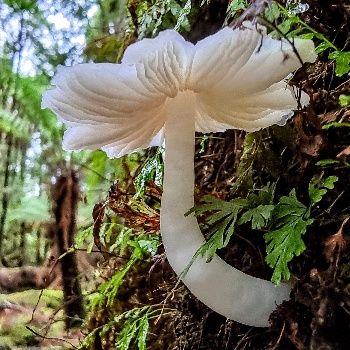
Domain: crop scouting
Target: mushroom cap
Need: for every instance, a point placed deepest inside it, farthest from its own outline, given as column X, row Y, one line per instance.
column 237, row 75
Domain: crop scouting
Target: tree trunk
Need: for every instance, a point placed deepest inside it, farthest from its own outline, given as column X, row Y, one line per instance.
column 5, row 195
column 65, row 196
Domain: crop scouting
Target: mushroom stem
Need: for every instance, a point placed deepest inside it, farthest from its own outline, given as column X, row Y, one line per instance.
column 223, row 288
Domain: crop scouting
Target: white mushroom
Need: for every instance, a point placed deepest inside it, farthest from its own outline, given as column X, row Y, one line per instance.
column 169, row 87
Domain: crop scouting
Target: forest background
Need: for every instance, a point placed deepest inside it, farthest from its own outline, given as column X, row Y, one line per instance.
column 127, row 300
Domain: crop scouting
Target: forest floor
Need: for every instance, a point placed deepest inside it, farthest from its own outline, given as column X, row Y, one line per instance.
column 33, row 319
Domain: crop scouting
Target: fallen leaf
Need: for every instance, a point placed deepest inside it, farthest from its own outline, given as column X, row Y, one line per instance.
column 335, row 244
column 344, row 152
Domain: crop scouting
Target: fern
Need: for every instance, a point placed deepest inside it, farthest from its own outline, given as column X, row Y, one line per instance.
column 319, row 187
column 342, row 62
column 157, row 15
column 258, row 216
column 344, row 100
column 259, row 208
column 182, row 20
column 336, row 125
column 135, row 329
column 140, row 245
column 287, row 23
column 287, row 221
column 290, row 220
column 152, row 170
column 84, row 236
column 133, row 325
column 292, row 26
column 225, row 217
column 108, row 290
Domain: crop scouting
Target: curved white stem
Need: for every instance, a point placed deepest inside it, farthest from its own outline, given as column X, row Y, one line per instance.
column 224, row 289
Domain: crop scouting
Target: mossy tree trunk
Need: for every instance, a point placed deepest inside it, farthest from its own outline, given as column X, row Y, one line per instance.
column 65, row 197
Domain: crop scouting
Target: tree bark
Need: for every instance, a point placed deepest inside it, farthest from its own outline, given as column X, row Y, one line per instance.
column 65, row 197
column 5, row 195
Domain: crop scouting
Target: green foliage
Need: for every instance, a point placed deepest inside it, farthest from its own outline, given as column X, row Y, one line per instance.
column 134, row 326
column 286, row 222
column 101, row 172
column 84, row 236
column 204, row 139
column 342, row 62
column 258, row 216
column 225, row 217
column 108, row 290
column 237, row 5
column 97, row 166
column 108, row 32
column 151, row 171
column 157, row 15
column 26, row 131
column 20, row 111
column 259, row 208
column 120, row 240
column 325, row 162
column 289, row 25
column 7, row 126
column 108, row 48
column 292, row 26
column 344, row 100
column 182, row 20
column 319, row 187
column 235, row 9
column 245, row 168
column 32, row 209
column 290, row 220
column 336, row 125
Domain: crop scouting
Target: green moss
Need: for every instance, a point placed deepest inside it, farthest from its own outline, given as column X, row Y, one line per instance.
column 13, row 331
column 47, row 297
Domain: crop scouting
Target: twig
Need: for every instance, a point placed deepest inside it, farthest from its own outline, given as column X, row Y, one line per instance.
column 280, row 337
column 50, row 338
column 36, row 305
column 244, row 339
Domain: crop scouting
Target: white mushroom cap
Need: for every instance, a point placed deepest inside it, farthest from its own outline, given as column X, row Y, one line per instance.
column 237, row 75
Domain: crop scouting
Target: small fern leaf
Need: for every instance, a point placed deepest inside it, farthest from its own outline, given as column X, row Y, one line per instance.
column 143, row 332
column 290, row 220
column 258, row 216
